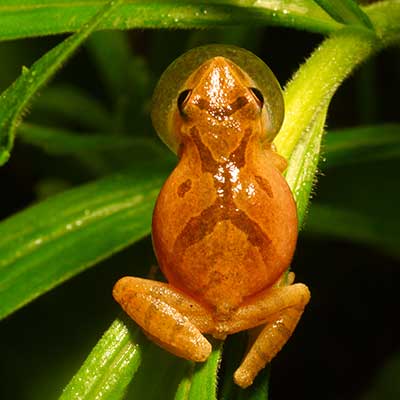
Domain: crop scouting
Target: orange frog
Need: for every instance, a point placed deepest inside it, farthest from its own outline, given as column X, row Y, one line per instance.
column 225, row 223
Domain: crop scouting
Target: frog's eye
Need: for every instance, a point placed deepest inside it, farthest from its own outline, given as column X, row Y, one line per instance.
column 183, row 99
column 258, row 96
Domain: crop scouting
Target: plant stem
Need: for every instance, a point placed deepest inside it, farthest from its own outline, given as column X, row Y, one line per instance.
column 329, row 65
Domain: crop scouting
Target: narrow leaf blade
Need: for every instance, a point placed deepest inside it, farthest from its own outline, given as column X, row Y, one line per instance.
column 109, row 367
column 48, row 243
column 201, row 381
column 41, row 17
column 346, row 12
column 14, row 100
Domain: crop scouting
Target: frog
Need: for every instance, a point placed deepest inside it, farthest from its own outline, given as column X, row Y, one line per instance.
column 224, row 225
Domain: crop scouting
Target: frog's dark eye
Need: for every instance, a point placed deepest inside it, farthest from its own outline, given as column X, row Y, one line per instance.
column 258, row 96
column 182, row 99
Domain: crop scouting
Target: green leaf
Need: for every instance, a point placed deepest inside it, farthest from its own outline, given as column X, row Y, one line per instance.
column 52, row 241
column 14, row 100
column 201, row 381
column 346, row 12
column 125, row 75
column 44, row 17
column 62, row 142
column 117, row 355
column 362, row 144
column 159, row 374
column 72, row 104
column 385, row 385
column 112, row 55
column 98, row 153
column 338, row 221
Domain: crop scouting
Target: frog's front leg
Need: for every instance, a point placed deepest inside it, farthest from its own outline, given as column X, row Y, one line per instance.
column 280, row 308
column 277, row 160
column 172, row 319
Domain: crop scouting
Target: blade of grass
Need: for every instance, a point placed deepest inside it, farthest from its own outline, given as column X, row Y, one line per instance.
column 346, row 12
column 159, row 374
column 52, row 241
column 118, row 355
column 15, row 99
column 46, row 17
column 201, row 381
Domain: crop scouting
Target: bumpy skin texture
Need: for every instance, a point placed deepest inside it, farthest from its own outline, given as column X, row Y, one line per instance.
column 224, row 229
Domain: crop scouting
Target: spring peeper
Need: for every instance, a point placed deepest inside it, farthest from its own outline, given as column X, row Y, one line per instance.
column 225, row 224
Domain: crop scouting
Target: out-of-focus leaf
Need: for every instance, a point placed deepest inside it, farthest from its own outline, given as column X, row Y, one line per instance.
column 385, row 385
column 356, row 226
column 125, row 75
column 110, row 366
column 72, row 104
column 346, row 12
column 44, row 17
column 50, row 242
column 14, row 100
column 61, row 142
column 98, row 153
column 362, row 144
column 112, row 55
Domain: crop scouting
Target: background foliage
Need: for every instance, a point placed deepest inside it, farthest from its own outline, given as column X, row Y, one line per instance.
column 82, row 170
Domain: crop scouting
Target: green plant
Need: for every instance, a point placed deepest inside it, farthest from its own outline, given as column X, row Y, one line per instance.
column 112, row 144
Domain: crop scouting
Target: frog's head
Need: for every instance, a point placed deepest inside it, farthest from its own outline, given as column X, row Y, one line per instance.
column 217, row 86
column 221, row 93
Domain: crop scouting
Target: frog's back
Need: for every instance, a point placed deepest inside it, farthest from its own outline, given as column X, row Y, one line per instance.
column 224, row 226
column 224, row 249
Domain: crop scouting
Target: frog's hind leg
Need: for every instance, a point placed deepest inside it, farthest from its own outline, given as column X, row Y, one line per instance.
column 280, row 308
column 173, row 320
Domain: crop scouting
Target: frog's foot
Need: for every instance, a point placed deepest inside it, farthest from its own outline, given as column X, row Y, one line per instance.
column 280, row 308
column 170, row 318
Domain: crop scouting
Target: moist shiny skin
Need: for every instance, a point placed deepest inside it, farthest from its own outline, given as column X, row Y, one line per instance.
column 225, row 224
